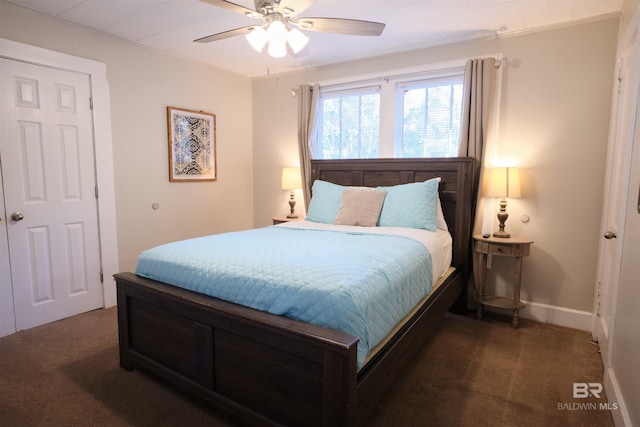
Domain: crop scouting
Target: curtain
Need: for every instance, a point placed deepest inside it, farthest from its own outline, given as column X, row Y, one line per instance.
column 477, row 116
column 477, row 103
column 307, row 101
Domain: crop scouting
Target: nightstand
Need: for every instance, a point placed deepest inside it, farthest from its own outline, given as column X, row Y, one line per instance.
column 280, row 219
column 516, row 247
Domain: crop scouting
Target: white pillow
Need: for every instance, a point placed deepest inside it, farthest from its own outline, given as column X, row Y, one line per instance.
column 441, row 223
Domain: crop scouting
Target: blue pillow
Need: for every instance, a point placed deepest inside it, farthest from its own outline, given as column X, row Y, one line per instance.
column 410, row 205
column 325, row 202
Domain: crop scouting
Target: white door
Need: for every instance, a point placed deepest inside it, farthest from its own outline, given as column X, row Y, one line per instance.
column 50, row 206
column 615, row 198
column 625, row 342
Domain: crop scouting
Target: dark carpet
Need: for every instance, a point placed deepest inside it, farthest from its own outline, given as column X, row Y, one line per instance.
column 469, row 373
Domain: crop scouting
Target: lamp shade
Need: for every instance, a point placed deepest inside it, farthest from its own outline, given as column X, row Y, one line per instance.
column 504, row 182
column 291, row 179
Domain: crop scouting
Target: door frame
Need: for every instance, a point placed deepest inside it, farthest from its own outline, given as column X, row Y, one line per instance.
column 624, row 126
column 101, row 113
column 613, row 210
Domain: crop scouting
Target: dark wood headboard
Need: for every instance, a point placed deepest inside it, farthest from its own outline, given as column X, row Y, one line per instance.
column 458, row 187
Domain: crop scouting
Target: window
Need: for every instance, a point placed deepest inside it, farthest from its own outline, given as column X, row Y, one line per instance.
column 404, row 116
column 349, row 124
column 428, row 118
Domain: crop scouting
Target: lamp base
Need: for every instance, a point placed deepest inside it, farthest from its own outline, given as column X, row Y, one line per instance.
column 292, row 205
column 502, row 218
column 502, row 234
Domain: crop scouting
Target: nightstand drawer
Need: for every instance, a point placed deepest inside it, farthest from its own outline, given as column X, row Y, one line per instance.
column 498, row 249
column 506, row 249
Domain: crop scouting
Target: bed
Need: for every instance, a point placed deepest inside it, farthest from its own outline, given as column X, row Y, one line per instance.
column 266, row 369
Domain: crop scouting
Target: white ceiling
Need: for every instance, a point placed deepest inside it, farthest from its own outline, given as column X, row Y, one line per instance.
column 172, row 25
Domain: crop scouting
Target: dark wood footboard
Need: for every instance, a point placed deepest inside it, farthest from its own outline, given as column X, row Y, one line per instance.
column 266, row 369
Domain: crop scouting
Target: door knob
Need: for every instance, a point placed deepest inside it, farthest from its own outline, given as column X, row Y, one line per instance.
column 609, row 235
column 17, row 216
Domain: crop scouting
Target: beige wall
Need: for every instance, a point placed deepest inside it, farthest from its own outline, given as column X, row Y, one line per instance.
column 554, row 120
column 142, row 84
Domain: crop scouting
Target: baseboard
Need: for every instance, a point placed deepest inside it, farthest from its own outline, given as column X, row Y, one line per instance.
column 614, row 396
column 555, row 315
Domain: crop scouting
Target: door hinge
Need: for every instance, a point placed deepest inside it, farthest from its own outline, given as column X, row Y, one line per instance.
column 101, row 277
column 90, row 103
column 96, row 191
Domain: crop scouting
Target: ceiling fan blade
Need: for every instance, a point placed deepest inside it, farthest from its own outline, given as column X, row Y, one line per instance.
column 340, row 26
column 292, row 8
column 226, row 34
column 233, row 7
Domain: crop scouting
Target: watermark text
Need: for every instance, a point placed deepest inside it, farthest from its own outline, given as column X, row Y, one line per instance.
column 585, row 391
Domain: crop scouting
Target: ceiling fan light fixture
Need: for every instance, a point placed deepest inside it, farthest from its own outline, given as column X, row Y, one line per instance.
column 297, row 40
column 258, row 38
column 278, row 34
column 282, row 28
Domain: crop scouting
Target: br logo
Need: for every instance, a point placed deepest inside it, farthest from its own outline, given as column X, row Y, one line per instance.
column 584, row 390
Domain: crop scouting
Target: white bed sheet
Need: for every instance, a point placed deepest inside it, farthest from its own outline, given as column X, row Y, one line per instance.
column 438, row 243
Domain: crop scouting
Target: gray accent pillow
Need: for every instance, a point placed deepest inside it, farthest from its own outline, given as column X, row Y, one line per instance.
column 360, row 206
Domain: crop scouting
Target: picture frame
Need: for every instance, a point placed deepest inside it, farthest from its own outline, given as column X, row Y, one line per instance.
column 192, row 145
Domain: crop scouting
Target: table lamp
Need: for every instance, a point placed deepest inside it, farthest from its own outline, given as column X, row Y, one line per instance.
column 503, row 183
column 291, row 181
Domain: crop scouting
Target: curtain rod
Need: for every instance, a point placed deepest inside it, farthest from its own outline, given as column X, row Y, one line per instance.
column 385, row 78
column 500, row 62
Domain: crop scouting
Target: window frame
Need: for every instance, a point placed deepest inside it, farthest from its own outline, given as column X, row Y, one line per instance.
column 388, row 101
column 425, row 82
column 336, row 92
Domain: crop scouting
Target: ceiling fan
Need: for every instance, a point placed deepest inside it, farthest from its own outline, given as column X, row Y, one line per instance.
column 282, row 26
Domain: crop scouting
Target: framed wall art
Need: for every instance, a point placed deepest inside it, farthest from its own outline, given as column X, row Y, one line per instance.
column 192, row 145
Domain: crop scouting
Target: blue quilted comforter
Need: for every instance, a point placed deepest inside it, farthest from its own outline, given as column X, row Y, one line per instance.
column 361, row 284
